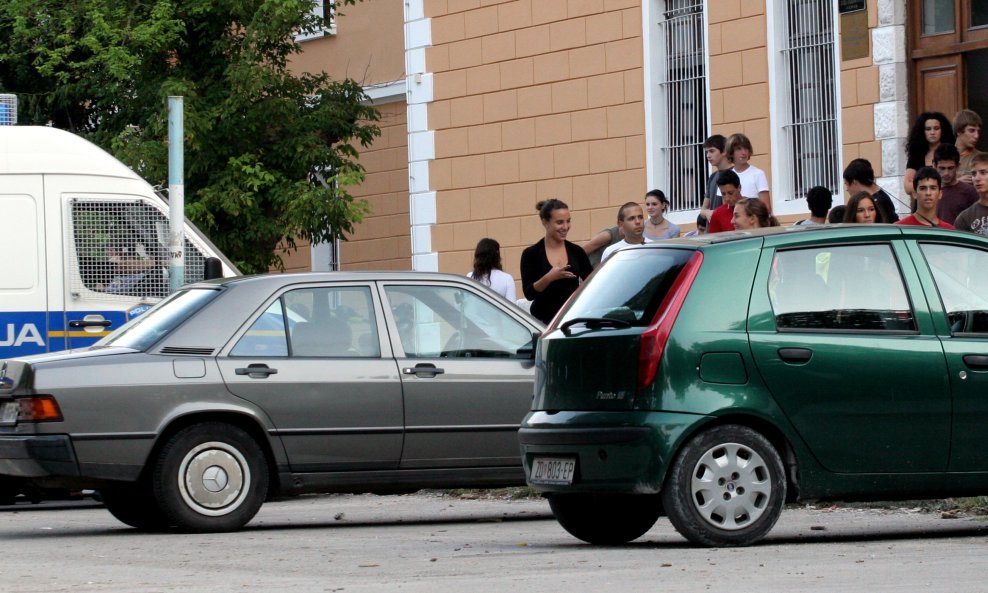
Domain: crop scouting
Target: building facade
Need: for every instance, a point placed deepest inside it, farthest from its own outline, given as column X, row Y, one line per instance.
column 492, row 105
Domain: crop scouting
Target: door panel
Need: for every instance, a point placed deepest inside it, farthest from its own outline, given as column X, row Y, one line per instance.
column 310, row 361
column 940, row 84
column 23, row 281
column 866, row 391
column 465, row 390
column 962, row 287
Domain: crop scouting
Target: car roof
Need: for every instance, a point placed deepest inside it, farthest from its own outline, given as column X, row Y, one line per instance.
column 823, row 232
column 275, row 278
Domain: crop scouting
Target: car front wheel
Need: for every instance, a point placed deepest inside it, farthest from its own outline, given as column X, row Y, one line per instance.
column 210, row 477
column 726, row 487
column 606, row 519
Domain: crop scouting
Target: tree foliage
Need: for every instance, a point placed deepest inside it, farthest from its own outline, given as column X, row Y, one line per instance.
column 268, row 153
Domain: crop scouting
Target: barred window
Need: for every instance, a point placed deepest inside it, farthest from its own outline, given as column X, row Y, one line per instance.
column 119, row 249
column 808, row 107
column 680, row 112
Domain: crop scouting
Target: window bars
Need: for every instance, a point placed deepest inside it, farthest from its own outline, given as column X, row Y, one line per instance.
column 809, row 117
column 682, row 95
column 120, row 251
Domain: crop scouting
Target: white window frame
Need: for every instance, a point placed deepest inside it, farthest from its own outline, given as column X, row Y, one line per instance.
column 658, row 118
column 787, row 198
column 321, row 8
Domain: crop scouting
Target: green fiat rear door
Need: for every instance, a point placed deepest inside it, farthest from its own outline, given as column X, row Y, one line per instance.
column 849, row 353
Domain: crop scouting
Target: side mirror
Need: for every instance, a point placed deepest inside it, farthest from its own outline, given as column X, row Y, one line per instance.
column 212, row 268
column 528, row 350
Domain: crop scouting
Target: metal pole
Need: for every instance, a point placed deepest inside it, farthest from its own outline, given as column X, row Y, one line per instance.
column 176, row 193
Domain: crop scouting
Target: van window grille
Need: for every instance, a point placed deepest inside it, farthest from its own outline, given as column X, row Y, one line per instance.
column 809, row 116
column 682, row 97
column 119, row 250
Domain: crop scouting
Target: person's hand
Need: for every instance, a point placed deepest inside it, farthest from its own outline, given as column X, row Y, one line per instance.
column 969, row 178
column 561, row 272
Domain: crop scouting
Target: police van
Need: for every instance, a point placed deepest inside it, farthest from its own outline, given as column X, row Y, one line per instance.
column 83, row 243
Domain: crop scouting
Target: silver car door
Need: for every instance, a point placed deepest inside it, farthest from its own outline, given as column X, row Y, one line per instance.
column 317, row 362
column 466, row 389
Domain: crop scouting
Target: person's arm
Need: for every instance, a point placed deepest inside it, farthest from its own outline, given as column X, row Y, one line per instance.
column 766, row 199
column 763, row 189
column 510, row 292
column 598, row 241
column 583, row 263
column 907, row 182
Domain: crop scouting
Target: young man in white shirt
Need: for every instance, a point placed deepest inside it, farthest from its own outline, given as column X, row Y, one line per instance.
column 631, row 220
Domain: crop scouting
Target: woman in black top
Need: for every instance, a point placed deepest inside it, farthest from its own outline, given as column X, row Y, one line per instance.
column 931, row 129
column 551, row 270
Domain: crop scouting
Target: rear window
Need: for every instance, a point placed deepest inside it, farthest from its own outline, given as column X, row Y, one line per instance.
column 630, row 287
column 142, row 332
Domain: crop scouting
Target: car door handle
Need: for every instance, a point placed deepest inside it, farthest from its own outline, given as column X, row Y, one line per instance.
column 795, row 355
column 256, row 371
column 423, row 370
column 90, row 323
column 976, row 361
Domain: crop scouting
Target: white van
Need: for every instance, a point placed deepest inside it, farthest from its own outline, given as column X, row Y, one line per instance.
column 83, row 242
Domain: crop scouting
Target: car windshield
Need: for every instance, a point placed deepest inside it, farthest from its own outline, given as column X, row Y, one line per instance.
column 630, row 287
column 141, row 333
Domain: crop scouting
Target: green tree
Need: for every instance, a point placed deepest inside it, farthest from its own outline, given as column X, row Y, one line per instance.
column 268, row 153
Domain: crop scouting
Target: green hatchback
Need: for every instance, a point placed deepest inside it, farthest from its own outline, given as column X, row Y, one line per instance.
column 714, row 379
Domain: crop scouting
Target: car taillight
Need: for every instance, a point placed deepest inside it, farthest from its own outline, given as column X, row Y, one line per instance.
column 654, row 338
column 40, row 408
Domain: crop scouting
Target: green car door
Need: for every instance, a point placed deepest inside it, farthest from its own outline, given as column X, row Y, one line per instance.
column 960, row 306
column 850, row 355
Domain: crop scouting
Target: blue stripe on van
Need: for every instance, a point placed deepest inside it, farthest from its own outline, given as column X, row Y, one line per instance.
column 26, row 332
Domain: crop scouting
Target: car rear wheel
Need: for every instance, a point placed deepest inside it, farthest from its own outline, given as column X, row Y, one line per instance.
column 606, row 519
column 210, row 477
column 727, row 487
column 134, row 505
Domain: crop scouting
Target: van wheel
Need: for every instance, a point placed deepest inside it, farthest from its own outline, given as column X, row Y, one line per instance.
column 606, row 519
column 726, row 487
column 210, row 477
column 134, row 505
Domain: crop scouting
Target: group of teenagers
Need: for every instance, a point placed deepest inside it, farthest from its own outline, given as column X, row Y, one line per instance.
column 947, row 181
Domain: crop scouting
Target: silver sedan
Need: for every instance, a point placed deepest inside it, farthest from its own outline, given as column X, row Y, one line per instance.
column 234, row 391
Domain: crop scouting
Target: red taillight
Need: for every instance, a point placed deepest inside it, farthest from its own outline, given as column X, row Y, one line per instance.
column 654, row 338
column 40, row 408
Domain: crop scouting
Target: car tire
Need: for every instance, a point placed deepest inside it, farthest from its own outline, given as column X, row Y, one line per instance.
column 134, row 505
column 8, row 491
column 606, row 519
column 210, row 477
column 726, row 487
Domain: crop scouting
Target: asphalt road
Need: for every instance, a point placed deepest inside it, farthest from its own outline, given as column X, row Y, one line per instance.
column 434, row 543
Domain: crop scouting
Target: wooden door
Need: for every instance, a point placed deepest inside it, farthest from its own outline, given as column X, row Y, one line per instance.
column 940, row 84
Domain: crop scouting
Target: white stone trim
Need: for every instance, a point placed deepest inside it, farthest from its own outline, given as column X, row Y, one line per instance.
column 891, row 113
column 418, row 177
column 423, row 208
column 421, row 140
column 418, row 118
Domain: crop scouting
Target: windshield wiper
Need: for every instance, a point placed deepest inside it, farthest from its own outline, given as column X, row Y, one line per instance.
column 594, row 323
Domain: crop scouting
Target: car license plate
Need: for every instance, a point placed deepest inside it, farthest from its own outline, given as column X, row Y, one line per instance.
column 8, row 412
column 552, row 470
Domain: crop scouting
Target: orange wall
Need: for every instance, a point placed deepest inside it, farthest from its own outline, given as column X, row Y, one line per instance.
column 383, row 240
column 368, row 46
column 533, row 99
column 859, row 94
